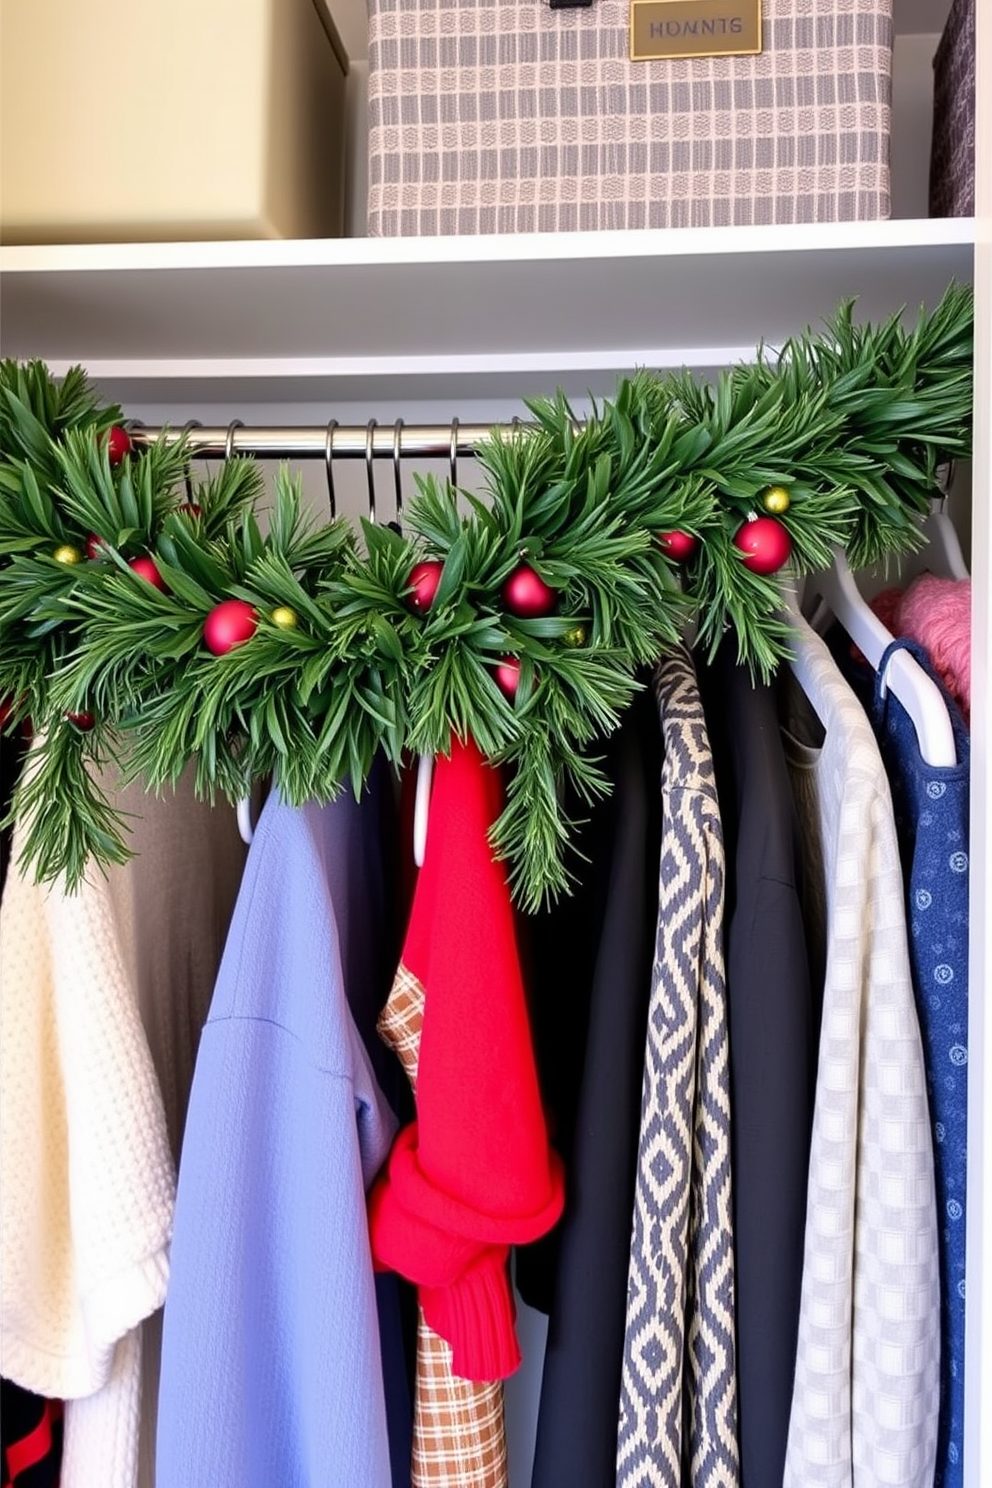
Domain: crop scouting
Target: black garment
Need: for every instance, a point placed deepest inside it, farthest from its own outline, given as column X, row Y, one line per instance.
column 32, row 1438
column 364, row 882
column 774, row 1022
column 12, row 751
column 592, row 981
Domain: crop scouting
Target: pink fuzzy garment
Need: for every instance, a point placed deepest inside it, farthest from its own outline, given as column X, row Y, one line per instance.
column 937, row 613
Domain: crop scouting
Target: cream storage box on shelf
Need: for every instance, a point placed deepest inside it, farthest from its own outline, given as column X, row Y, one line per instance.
column 128, row 120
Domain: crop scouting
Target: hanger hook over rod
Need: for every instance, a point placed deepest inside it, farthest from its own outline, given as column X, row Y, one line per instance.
column 453, row 452
column 329, row 463
column 193, row 423
column 235, row 423
column 397, row 476
column 370, row 428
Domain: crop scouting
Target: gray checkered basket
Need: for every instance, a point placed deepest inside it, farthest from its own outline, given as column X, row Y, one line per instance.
column 952, row 152
column 493, row 116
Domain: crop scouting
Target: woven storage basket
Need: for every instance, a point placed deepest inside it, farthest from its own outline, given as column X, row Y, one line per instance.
column 506, row 116
column 952, row 155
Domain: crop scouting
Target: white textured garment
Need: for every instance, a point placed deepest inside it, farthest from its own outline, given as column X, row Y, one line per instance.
column 102, row 997
column 89, row 1180
column 865, row 1400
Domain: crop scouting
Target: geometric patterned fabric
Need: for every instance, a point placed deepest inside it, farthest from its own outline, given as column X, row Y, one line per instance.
column 678, row 1403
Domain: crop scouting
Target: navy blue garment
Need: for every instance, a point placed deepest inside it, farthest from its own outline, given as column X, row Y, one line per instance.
column 362, row 881
column 931, row 810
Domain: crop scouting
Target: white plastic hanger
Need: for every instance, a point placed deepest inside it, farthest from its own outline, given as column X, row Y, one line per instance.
column 798, row 658
column 421, row 807
column 246, row 830
column 942, row 554
column 919, row 695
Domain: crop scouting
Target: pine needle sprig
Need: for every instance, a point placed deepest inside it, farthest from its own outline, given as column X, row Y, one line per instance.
column 29, row 518
column 70, row 828
column 124, row 506
column 532, row 834
column 253, row 714
column 38, row 410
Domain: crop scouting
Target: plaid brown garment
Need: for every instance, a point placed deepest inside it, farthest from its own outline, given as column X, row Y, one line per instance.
column 458, row 1427
column 459, row 1432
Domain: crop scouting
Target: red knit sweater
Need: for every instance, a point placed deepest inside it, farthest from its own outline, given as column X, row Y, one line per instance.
column 474, row 1173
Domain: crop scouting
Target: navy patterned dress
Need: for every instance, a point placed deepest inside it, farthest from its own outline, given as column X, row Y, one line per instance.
column 931, row 810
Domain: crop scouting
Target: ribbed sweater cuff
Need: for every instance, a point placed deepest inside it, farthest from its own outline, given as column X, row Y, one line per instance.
column 476, row 1316
column 78, row 1360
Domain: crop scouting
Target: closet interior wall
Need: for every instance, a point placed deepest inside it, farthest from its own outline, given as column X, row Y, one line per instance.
column 53, row 303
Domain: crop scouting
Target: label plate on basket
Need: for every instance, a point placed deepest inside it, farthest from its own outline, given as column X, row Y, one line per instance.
column 694, row 28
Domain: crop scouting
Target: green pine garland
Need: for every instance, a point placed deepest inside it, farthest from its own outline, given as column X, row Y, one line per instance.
column 851, row 423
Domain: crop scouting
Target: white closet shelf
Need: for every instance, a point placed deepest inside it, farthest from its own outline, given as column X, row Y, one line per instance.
column 399, row 318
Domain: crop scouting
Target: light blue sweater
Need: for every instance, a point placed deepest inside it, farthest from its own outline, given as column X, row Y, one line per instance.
column 271, row 1371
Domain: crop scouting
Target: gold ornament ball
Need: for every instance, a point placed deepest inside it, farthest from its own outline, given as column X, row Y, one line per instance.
column 776, row 500
column 67, row 554
column 284, row 617
column 576, row 636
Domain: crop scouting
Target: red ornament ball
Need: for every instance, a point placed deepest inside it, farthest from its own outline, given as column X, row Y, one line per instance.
column 118, row 444
column 526, row 594
column 229, row 624
column 765, row 543
column 146, row 568
column 83, row 721
column 508, row 676
column 190, row 509
column 679, row 546
column 423, row 581
column 94, row 546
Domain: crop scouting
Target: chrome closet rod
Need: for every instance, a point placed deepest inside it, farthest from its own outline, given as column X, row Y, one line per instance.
column 331, row 441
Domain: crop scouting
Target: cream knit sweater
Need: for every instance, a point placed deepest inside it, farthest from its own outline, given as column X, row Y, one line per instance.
column 88, row 1175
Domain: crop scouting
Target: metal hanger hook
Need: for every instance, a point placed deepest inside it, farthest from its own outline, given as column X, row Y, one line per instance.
column 370, row 428
column 453, row 452
column 329, row 464
column 229, row 441
column 945, row 479
column 397, row 476
column 193, row 423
